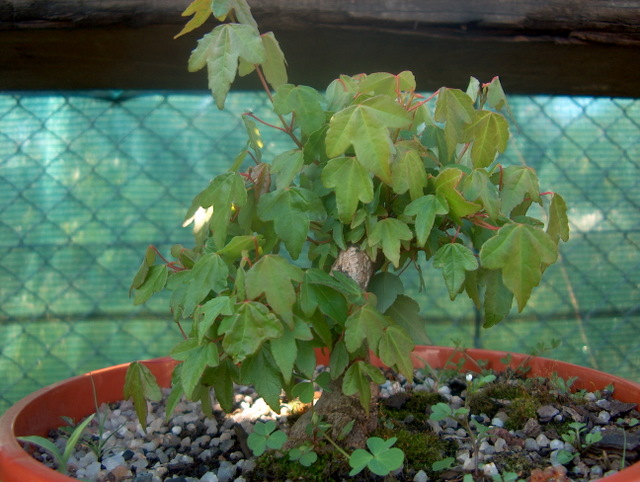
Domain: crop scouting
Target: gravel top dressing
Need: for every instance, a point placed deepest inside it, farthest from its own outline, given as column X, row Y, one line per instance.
column 532, row 428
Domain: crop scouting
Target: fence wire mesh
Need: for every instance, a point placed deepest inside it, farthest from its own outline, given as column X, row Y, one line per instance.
column 87, row 181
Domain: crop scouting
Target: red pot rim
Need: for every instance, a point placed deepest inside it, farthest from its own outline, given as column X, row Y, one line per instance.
column 33, row 414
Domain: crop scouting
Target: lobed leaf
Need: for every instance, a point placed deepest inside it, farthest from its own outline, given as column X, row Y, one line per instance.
column 351, row 182
column 455, row 260
column 521, row 252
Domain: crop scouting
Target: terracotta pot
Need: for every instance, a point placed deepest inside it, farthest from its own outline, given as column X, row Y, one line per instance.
column 40, row 412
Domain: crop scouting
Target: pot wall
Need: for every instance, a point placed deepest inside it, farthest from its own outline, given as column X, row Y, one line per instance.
column 40, row 412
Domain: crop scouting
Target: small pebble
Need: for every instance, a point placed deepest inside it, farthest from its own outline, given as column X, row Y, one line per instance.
column 421, row 476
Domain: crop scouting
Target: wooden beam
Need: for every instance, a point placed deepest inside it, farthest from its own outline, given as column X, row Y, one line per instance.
column 578, row 47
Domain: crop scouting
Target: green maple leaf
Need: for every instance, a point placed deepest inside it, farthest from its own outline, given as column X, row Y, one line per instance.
column 490, row 133
column 352, row 183
column 273, row 276
column 497, row 298
column 358, row 379
column 208, row 274
column 222, row 8
column 477, row 186
column 521, row 252
column 425, row 210
column 304, row 101
column 274, row 66
column 387, row 84
column 365, row 126
column 220, row 51
column 367, row 323
column 447, row 184
column 455, row 109
column 286, row 166
column 285, row 351
column 248, row 329
column 394, row 349
column 155, row 279
column 207, row 314
column 388, row 234
column 291, row 211
column 200, row 9
column 387, row 287
column 455, row 260
column 260, row 371
column 225, row 193
column 405, row 311
column 140, row 384
column 518, row 183
column 196, row 358
column 409, row 174
column 558, row 226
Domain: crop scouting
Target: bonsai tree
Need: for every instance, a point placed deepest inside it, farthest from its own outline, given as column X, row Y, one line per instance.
column 305, row 249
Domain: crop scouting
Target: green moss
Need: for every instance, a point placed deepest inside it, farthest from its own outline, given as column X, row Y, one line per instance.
column 521, row 410
column 274, row 466
column 421, row 448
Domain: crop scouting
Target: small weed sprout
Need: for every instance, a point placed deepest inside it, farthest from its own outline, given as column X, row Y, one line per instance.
column 580, row 439
column 61, row 457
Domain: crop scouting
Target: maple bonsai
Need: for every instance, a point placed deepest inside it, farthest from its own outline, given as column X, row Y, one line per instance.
column 306, row 249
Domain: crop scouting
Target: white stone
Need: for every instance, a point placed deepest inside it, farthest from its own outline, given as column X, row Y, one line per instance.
column 209, row 477
column 531, row 445
column 490, row 469
column 111, row 463
column 500, row 445
column 421, row 476
column 542, row 440
column 556, row 444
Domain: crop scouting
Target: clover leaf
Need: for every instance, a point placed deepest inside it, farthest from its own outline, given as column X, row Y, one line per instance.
column 381, row 458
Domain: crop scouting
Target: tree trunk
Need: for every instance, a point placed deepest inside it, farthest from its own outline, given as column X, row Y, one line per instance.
column 335, row 407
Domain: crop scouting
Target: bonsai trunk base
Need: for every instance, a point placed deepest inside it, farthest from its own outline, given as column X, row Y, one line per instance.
column 338, row 410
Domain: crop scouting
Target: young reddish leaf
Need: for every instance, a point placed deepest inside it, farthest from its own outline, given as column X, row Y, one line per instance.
column 200, row 9
column 489, row 133
column 425, row 210
column 248, row 329
column 522, row 252
column 388, row 234
column 518, row 184
column 291, row 211
column 454, row 259
column 365, row 126
column 273, row 276
column 140, row 384
column 352, row 183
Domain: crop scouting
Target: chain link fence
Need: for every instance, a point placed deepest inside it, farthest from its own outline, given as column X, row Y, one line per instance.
column 88, row 180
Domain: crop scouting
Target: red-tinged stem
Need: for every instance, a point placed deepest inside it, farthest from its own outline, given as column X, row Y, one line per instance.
column 287, row 128
column 548, row 193
column 422, row 102
column 253, row 116
column 455, row 236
